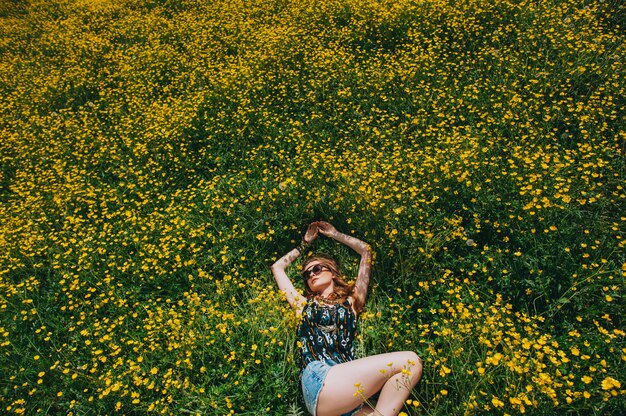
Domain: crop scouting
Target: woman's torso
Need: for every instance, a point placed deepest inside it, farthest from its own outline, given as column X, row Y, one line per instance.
column 326, row 332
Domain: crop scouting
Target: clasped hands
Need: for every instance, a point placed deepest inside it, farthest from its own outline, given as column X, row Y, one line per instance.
column 317, row 227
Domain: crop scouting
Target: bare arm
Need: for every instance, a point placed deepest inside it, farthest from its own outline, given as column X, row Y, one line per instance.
column 294, row 297
column 364, row 250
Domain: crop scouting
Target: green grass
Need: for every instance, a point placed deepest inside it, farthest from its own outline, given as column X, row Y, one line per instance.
column 158, row 156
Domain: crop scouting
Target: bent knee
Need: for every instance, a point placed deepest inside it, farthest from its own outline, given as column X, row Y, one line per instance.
column 407, row 359
column 412, row 359
column 415, row 362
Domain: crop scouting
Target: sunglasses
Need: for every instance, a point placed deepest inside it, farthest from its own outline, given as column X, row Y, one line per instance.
column 313, row 271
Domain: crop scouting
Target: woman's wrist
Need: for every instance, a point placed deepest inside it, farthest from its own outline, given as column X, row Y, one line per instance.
column 302, row 246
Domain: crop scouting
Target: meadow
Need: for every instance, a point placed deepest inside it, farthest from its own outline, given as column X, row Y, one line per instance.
column 157, row 156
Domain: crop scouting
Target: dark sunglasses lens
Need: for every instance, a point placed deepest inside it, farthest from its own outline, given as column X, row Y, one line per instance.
column 313, row 270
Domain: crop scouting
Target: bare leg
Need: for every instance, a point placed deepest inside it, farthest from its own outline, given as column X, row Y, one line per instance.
column 366, row 410
column 349, row 384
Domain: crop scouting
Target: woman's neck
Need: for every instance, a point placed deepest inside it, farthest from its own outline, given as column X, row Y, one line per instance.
column 328, row 293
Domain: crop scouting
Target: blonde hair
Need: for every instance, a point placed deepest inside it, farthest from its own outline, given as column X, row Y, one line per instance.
column 342, row 290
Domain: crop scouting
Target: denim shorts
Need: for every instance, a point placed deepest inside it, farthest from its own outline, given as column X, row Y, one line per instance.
column 312, row 381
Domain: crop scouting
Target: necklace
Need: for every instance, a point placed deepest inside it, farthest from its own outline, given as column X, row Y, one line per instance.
column 332, row 328
column 330, row 300
column 329, row 304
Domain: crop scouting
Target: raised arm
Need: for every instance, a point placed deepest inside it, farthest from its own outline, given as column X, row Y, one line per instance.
column 294, row 297
column 364, row 250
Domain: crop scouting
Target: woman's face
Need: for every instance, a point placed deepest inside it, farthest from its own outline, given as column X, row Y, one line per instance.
column 319, row 277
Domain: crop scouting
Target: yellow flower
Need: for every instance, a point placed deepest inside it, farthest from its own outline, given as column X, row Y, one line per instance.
column 497, row 402
column 610, row 383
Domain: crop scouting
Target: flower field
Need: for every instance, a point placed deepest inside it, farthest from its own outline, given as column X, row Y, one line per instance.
column 157, row 156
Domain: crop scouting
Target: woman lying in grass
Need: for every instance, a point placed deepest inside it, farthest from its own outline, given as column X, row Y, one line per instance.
column 333, row 381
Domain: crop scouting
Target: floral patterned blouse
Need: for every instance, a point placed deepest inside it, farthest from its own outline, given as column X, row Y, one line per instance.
column 326, row 332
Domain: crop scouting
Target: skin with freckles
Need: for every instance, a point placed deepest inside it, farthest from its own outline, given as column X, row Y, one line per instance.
column 350, row 384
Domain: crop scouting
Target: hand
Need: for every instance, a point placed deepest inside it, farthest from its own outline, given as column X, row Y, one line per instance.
column 311, row 233
column 327, row 229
